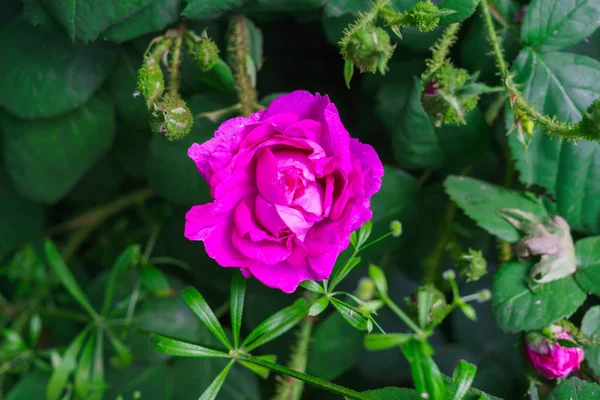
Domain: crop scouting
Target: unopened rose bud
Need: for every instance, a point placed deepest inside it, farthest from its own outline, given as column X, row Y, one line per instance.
column 171, row 117
column 204, row 52
column 396, row 228
column 430, row 89
column 472, row 265
column 551, row 359
column 369, row 49
column 424, row 16
column 150, row 81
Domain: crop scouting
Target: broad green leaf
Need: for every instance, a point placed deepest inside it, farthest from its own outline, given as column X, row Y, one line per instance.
column 171, row 173
column 60, row 376
column 336, row 342
column 276, row 325
column 481, row 201
column 590, row 327
column 213, row 390
column 127, row 258
column 393, row 393
column 341, row 270
column 427, row 378
column 463, row 377
column 416, row 143
column 21, row 218
column 352, row 316
column 66, row 277
column 155, row 281
column 200, row 307
column 463, row 10
column 47, row 74
column 379, row 279
column 122, row 85
column 556, row 24
column 207, row 9
column 575, row 389
column 587, row 252
column 46, row 158
column 30, row 386
column 382, row 341
column 238, row 294
column 179, row 348
column 318, row 306
column 87, row 19
column 259, row 370
column 81, row 382
column 561, row 85
column 153, row 18
column 519, row 307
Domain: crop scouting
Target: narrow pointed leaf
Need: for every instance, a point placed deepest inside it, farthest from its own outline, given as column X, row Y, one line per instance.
column 318, row 306
column 380, row 341
column 98, row 370
column 155, row 281
column 67, row 278
column 348, row 72
column 428, row 379
column 463, row 377
column 378, row 278
column 125, row 356
column 363, row 233
column 201, row 308
column 312, row 286
column 213, row 390
column 83, row 374
column 35, row 327
column 126, row 258
column 60, row 376
column 277, row 324
column 179, row 348
column 352, row 316
column 424, row 304
column 238, row 292
column 340, row 273
column 259, row 370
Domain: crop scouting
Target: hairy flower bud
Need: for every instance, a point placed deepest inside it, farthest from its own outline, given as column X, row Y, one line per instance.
column 369, row 49
column 424, row 16
column 150, row 81
column 472, row 265
column 204, row 52
column 549, row 357
column 171, row 117
column 435, row 301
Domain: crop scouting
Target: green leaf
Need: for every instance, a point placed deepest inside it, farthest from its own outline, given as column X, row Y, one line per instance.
column 351, row 315
column 47, row 75
column 415, row 141
column 87, row 19
column 60, row 376
column 393, row 393
column 171, row 173
column 340, row 271
column 337, row 343
column 259, row 370
column 30, row 386
column 208, row 9
column 382, row 341
column 124, row 356
column 575, row 388
column 276, row 325
column 463, row 10
column 179, row 348
column 318, row 306
column 153, row 18
column 98, row 368
column 35, row 328
column 219, row 77
column 66, row 277
column 587, row 252
column 519, row 307
column 312, row 286
column 427, row 377
column 452, row 389
column 22, row 219
column 481, row 201
column 213, row 390
column 155, row 281
column 238, row 293
column 81, row 384
column 128, row 257
column 46, row 158
column 363, row 233
column 463, row 377
column 348, row 72
column 561, row 85
column 557, row 24
column 122, row 85
column 590, row 327
column 200, row 307
column 378, row 278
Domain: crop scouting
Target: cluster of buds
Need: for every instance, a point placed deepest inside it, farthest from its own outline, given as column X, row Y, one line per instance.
column 547, row 237
column 552, row 352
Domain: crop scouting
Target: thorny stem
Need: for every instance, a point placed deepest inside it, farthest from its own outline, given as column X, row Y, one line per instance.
column 174, row 79
column 441, row 51
column 291, row 389
column 246, row 91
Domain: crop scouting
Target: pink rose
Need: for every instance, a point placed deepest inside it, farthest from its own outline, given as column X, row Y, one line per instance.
column 289, row 186
column 552, row 360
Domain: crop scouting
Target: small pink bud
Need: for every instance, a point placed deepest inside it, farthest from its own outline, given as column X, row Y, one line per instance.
column 551, row 359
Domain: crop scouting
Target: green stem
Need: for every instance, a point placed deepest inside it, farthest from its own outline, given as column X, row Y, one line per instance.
column 174, row 80
column 320, row 383
column 440, row 51
column 292, row 389
column 65, row 314
column 246, row 91
column 379, row 239
column 402, row 315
